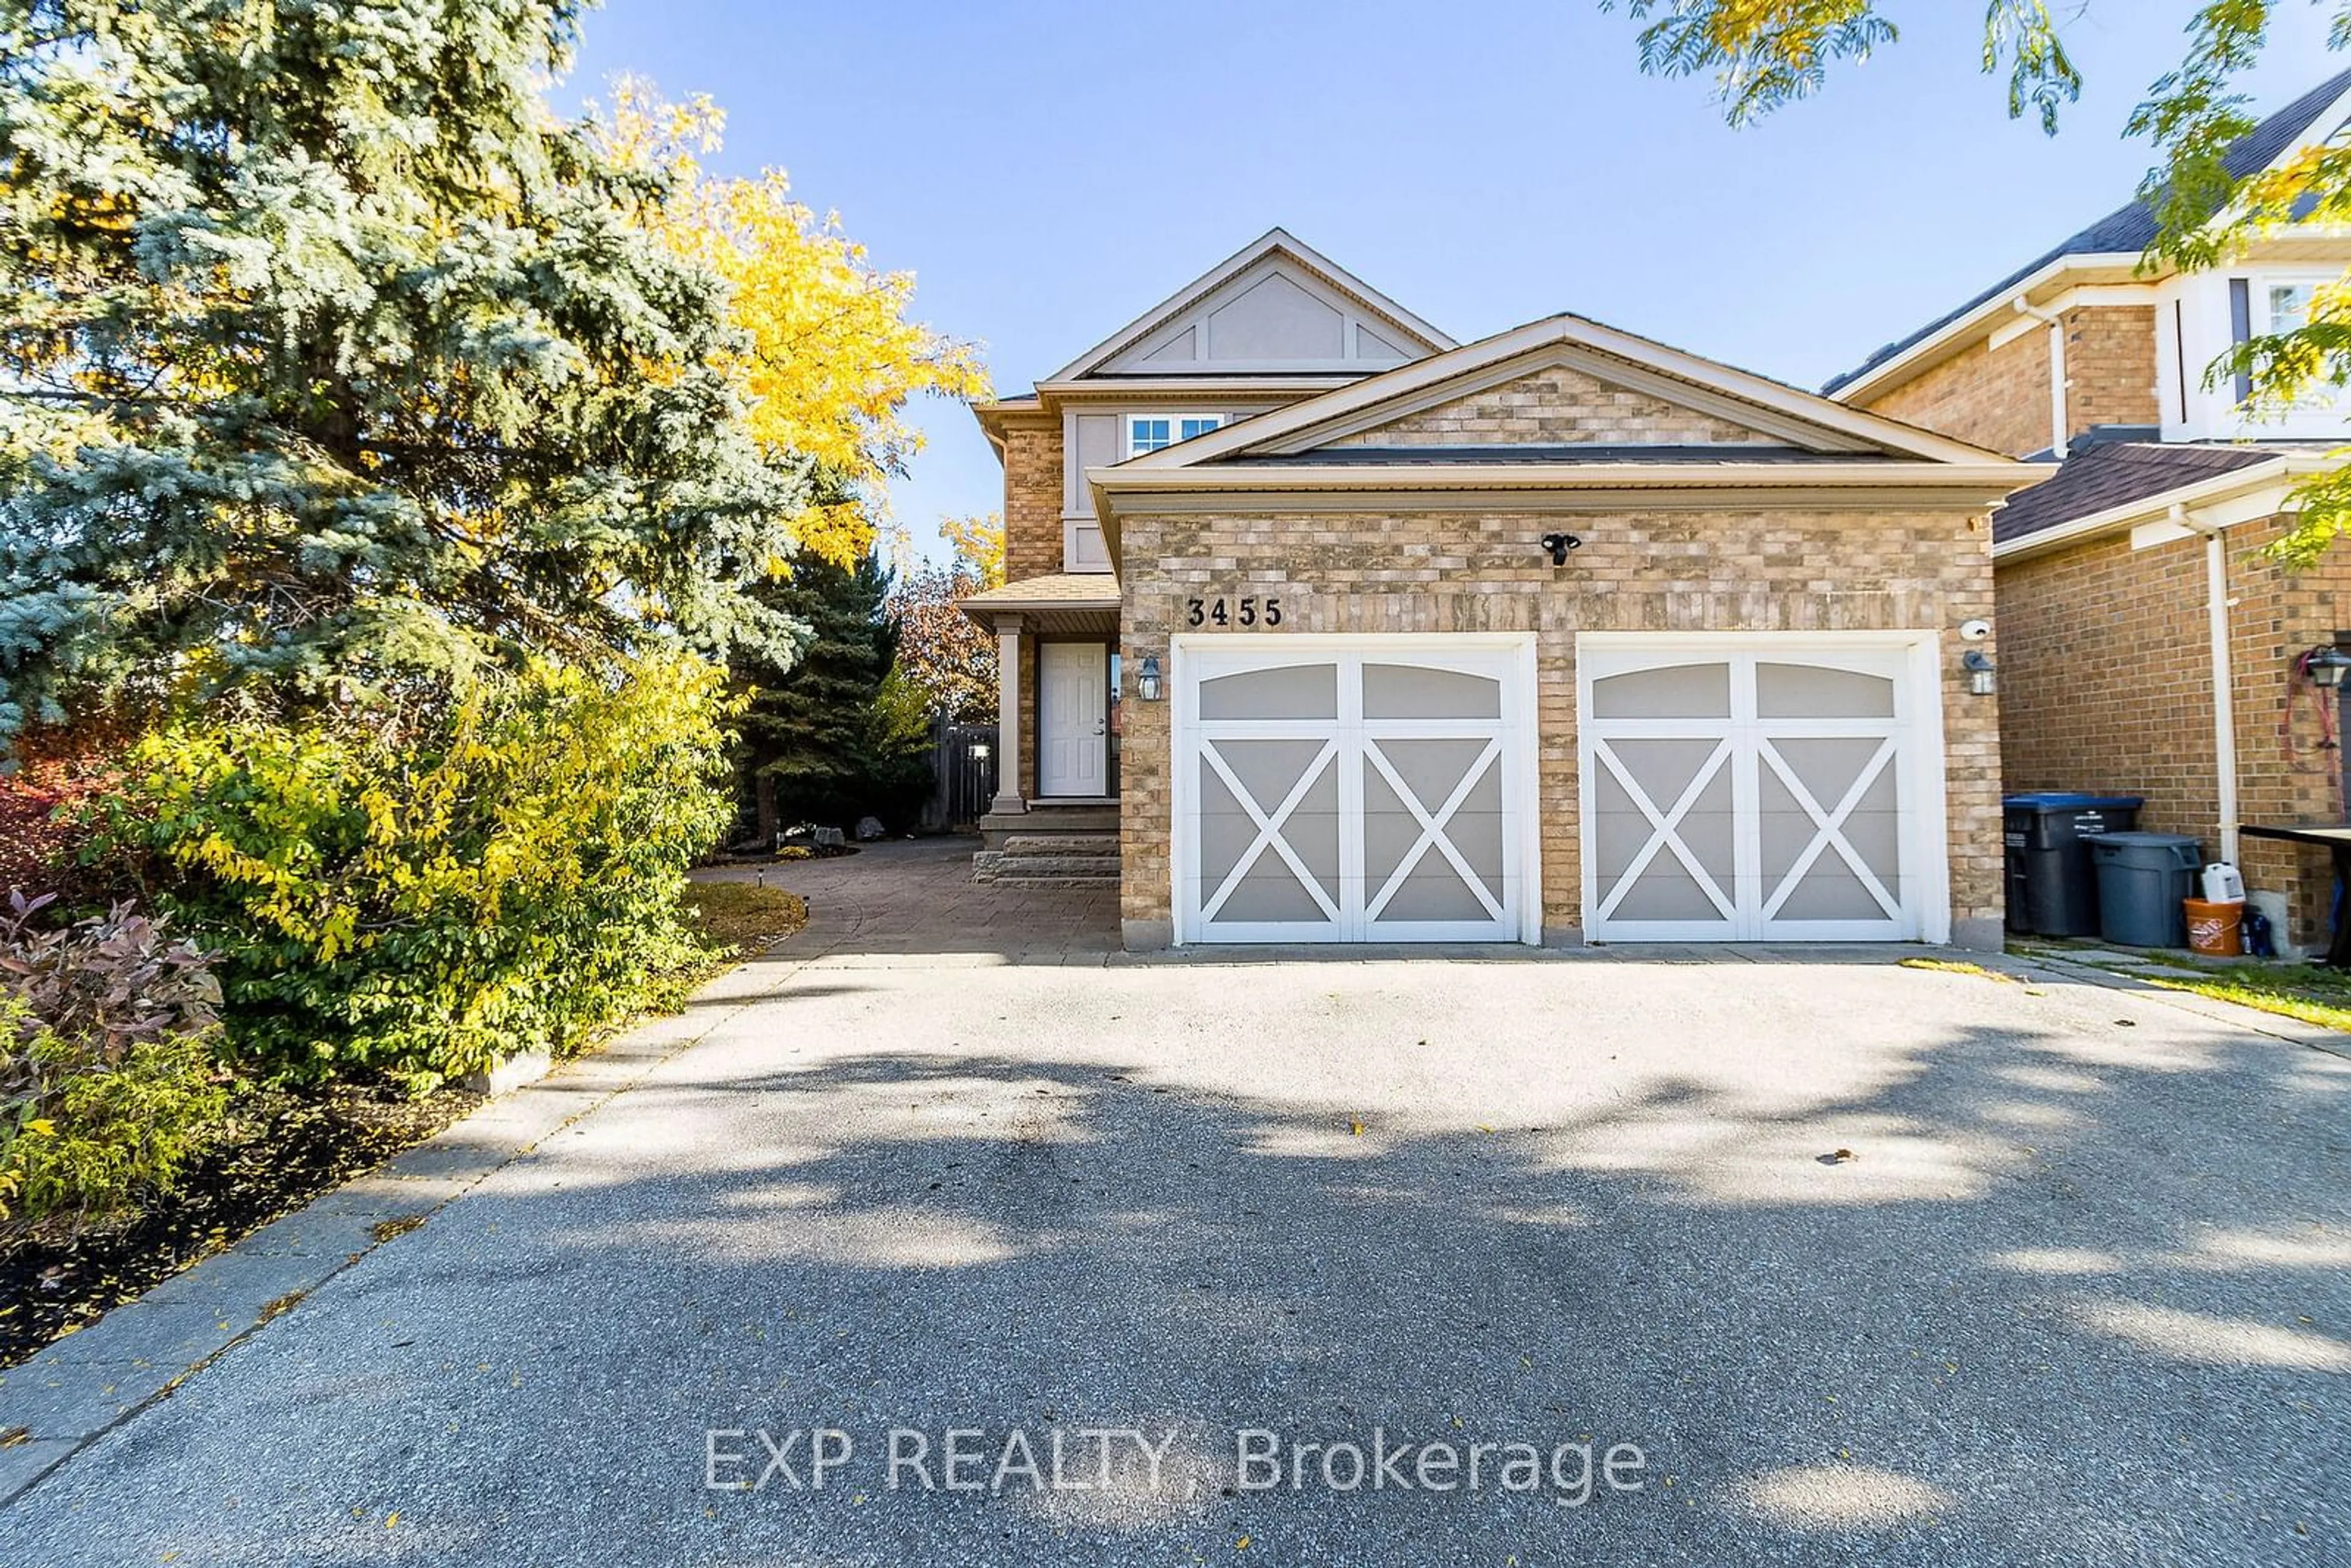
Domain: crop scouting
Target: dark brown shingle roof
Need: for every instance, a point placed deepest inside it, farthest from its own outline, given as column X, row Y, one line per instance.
column 2114, row 474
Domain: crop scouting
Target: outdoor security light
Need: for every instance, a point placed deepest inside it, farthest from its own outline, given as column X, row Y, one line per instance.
column 2325, row 666
column 1982, row 679
column 1146, row 679
column 1559, row 544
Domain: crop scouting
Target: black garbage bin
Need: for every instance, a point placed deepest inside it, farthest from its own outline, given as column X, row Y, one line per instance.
column 2143, row 880
column 2051, row 889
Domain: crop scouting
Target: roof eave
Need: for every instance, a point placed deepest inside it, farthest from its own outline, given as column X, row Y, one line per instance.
column 1955, row 334
column 1941, row 485
column 2282, row 469
column 1124, row 479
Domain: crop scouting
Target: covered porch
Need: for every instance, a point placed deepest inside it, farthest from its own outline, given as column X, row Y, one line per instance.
column 1054, row 820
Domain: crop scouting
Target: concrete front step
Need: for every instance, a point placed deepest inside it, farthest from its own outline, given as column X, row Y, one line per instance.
column 1104, row 845
column 1043, row 871
column 1097, row 867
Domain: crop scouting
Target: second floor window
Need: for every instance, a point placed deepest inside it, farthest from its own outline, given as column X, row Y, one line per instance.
column 1150, row 432
column 2284, row 306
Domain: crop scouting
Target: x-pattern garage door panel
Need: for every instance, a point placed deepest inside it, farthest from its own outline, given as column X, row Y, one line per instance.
column 1750, row 796
column 1433, row 830
column 1354, row 796
column 1666, row 835
column 1269, row 831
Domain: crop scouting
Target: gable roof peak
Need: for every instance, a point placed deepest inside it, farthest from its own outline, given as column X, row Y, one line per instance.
column 1789, row 414
column 1366, row 330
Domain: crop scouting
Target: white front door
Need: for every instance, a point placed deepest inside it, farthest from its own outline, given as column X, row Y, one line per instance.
column 1782, row 787
column 1072, row 712
column 1354, row 789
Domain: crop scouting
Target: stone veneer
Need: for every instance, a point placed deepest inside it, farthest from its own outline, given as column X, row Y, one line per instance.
column 1470, row 571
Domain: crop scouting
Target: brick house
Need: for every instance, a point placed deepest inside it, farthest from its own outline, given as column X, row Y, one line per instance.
column 2147, row 644
column 1320, row 626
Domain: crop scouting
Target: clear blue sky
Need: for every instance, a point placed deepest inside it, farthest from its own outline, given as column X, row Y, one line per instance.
column 1049, row 170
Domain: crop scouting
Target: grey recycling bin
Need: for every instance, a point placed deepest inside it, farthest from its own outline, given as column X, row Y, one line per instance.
column 2142, row 878
column 2051, row 889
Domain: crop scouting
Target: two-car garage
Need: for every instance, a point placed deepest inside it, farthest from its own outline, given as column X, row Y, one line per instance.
column 1768, row 787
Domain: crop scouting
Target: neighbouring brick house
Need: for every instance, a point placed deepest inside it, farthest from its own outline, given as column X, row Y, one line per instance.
column 1321, row 627
column 2133, row 586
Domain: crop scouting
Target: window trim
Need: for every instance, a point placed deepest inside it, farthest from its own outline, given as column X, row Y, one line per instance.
column 2266, row 284
column 1174, row 418
column 2321, row 402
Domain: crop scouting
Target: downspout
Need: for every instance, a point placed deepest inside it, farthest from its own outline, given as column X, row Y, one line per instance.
column 2056, row 323
column 2224, row 704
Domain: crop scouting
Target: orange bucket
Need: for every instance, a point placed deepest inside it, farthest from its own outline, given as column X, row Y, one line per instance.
column 2215, row 930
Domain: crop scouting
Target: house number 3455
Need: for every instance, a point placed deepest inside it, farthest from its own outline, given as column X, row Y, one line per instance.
column 1250, row 612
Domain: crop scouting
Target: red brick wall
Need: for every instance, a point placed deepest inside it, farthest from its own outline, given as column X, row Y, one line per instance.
column 2105, row 684
column 2110, row 375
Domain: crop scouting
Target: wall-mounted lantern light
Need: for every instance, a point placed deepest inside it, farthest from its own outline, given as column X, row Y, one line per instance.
column 2326, row 666
column 1146, row 679
column 1982, row 678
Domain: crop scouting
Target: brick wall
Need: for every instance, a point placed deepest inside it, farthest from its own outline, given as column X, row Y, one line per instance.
column 2106, row 674
column 2000, row 398
column 1480, row 571
column 1032, row 497
column 1996, row 398
column 1551, row 405
column 2110, row 372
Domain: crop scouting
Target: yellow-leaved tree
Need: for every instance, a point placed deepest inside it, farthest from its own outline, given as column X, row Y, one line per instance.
column 2208, row 209
column 830, row 357
column 979, row 543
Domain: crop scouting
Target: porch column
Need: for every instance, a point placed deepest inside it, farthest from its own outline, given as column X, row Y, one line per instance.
column 1007, row 717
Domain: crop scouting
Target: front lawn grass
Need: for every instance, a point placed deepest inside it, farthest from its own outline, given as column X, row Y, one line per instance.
column 2311, row 993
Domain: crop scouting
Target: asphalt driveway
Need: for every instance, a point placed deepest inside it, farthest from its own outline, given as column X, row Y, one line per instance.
column 2081, row 1292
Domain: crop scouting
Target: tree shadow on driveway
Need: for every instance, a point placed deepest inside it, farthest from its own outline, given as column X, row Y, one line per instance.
column 2080, row 1295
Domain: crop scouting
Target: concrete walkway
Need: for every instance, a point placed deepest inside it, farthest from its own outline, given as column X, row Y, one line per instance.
column 2078, row 1288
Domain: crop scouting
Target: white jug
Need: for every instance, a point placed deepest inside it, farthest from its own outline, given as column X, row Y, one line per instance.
column 2222, row 884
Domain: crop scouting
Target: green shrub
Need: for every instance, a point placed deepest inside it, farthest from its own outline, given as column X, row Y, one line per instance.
column 417, row 894
column 107, row 1079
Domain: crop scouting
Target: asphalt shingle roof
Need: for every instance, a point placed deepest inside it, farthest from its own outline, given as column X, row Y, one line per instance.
column 2113, row 474
column 2130, row 229
column 1559, row 452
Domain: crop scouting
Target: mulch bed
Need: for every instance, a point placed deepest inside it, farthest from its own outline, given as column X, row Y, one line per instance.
column 283, row 1148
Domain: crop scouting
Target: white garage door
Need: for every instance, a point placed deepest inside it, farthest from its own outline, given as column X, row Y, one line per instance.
column 1354, row 789
column 1779, row 788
